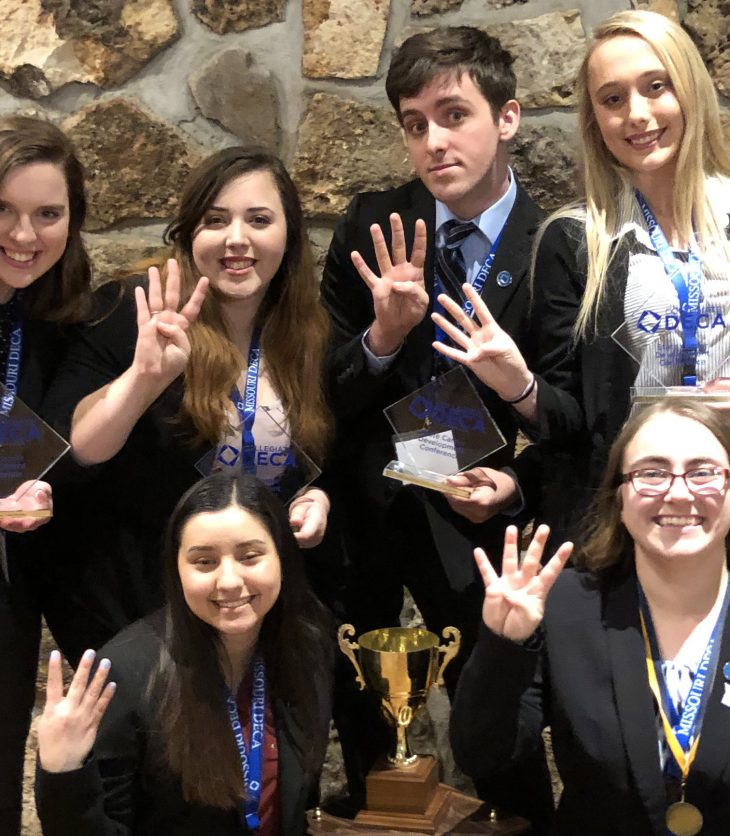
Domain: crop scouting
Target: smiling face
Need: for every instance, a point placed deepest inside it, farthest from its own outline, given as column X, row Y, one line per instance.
column 230, row 572
column 240, row 241
column 455, row 145
column 34, row 223
column 679, row 524
column 635, row 106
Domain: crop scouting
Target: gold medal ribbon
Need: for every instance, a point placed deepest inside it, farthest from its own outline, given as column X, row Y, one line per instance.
column 684, row 759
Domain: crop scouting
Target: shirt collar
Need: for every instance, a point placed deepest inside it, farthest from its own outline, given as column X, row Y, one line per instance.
column 492, row 219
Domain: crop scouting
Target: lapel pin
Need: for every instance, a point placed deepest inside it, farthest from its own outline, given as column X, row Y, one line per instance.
column 726, row 671
column 504, row 279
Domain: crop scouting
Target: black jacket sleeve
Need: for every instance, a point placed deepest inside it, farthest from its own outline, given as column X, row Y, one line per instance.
column 498, row 711
column 102, row 350
column 558, row 290
column 99, row 799
column 353, row 386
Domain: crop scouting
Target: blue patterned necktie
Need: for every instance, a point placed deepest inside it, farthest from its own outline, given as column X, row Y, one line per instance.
column 450, row 260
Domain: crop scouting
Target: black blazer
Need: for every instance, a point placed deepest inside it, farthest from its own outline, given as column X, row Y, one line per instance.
column 589, row 683
column 124, row 790
column 364, row 444
column 583, row 388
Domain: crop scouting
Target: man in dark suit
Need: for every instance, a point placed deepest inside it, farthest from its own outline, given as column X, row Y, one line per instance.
column 453, row 91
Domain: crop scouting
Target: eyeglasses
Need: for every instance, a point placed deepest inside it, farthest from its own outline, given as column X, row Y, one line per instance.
column 701, row 481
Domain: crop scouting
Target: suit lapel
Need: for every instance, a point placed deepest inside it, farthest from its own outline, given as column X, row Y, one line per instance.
column 512, row 261
column 634, row 701
column 713, row 752
column 292, row 785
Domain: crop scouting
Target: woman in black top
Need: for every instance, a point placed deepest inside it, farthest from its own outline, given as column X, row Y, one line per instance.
column 147, row 389
column 241, row 640
column 44, row 290
column 627, row 662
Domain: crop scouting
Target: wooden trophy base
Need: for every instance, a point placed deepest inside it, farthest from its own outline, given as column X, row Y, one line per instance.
column 405, row 798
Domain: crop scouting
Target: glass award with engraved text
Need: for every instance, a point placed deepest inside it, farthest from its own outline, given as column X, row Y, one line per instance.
column 439, row 430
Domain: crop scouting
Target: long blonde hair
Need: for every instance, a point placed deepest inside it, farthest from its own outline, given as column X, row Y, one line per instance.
column 294, row 326
column 609, row 203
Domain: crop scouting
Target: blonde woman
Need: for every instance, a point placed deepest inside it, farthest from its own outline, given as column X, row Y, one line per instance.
column 656, row 203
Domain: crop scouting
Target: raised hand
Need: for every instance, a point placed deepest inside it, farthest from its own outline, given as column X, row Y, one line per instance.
column 514, row 603
column 163, row 348
column 399, row 294
column 485, row 348
column 30, row 506
column 68, row 726
column 491, row 492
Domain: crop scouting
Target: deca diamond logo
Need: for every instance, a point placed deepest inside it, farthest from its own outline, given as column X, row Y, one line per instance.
column 650, row 321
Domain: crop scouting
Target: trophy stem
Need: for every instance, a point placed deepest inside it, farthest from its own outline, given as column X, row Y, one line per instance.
column 403, row 755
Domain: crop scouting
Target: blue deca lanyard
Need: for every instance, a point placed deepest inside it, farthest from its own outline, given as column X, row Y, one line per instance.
column 251, row 756
column 478, row 283
column 15, row 351
column 687, row 727
column 246, row 406
column 689, row 290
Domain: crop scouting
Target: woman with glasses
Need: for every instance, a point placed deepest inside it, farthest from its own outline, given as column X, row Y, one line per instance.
column 628, row 660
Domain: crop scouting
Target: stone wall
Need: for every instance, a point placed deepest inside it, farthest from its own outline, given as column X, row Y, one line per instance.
column 148, row 87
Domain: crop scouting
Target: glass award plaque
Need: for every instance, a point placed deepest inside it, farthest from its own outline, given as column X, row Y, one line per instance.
column 28, row 450
column 653, row 337
column 439, row 430
column 276, row 460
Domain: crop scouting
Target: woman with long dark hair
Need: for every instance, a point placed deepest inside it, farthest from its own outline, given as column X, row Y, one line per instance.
column 44, row 292
column 154, row 384
column 626, row 660
column 217, row 719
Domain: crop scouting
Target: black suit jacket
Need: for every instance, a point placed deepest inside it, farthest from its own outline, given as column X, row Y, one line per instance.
column 589, row 683
column 364, row 444
column 124, row 790
column 583, row 387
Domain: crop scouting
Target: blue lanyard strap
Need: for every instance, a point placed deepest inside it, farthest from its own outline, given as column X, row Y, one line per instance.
column 685, row 729
column 479, row 281
column 15, row 352
column 246, row 406
column 689, row 290
column 251, row 756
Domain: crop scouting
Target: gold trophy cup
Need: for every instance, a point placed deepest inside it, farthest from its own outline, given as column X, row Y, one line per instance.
column 400, row 665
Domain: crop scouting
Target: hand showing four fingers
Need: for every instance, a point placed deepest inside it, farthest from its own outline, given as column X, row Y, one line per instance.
column 482, row 346
column 399, row 294
column 514, row 602
column 163, row 347
column 69, row 724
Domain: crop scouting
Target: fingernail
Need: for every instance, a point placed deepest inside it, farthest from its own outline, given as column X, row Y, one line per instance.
column 112, row 685
column 55, row 655
column 105, row 664
column 88, row 655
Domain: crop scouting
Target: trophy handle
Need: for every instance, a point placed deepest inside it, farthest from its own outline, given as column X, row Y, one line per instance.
column 449, row 650
column 349, row 648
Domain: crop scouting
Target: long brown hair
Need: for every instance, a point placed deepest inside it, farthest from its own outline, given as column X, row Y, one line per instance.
column 63, row 293
column 607, row 542
column 187, row 689
column 294, row 326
